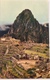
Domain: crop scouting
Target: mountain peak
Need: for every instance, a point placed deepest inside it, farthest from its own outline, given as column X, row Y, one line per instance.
column 27, row 11
column 26, row 27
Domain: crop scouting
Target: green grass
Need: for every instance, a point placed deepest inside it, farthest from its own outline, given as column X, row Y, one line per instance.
column 22, row 71
column 14, row 73
column 34, row 52
column 41, row 49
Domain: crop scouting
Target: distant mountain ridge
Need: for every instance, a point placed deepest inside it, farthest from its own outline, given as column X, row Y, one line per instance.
column 3, row 30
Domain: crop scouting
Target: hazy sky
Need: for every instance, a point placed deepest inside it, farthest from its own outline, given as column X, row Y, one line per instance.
column 9, row 9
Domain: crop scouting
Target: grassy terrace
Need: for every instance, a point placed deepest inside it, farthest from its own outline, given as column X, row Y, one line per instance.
column 42, row 51
column 25, row 74
column 17, row 71
column 14, row 73
column 34, row 52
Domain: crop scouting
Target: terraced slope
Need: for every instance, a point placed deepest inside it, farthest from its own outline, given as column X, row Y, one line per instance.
column 13, row 64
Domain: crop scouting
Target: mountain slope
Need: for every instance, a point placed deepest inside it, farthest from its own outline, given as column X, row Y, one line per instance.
column 26, row 27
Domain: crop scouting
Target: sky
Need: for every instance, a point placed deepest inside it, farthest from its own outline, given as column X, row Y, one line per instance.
column 10, row 9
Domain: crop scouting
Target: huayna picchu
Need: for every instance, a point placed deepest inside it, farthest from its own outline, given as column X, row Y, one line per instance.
column 26, row 27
